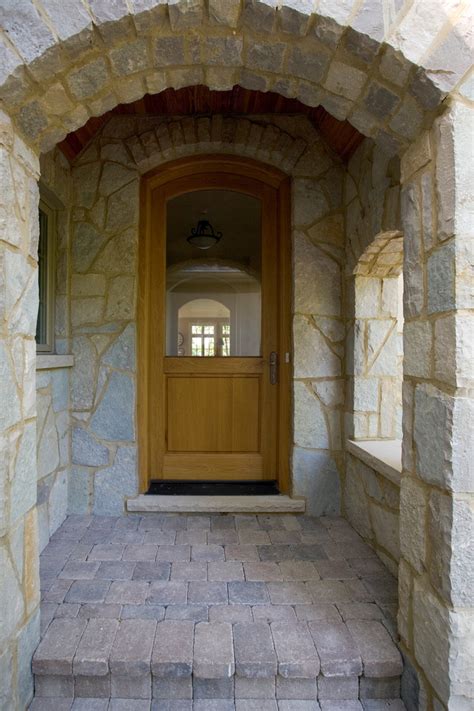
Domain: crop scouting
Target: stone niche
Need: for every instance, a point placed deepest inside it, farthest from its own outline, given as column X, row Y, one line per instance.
column 103, row 295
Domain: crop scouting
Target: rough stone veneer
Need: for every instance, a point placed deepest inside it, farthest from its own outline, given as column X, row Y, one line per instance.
column 19, row 581
column 372, row 505
column 103, row 296
column 436, row 573
column 52, row 397
column 374, row 310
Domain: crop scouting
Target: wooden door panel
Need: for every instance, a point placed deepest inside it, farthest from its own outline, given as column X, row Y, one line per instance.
column 213, row 414
column 213, row 467
column 215, row 418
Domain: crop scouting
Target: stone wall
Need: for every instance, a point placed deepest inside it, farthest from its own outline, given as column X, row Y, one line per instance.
column 19, row 579
column 374, row 310
column 372, row 505
column 103, row 296
column 436, row 573
column 52, row 400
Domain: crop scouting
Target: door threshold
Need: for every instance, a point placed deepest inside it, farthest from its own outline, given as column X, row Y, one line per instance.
column 149, row 503
column 213, row 488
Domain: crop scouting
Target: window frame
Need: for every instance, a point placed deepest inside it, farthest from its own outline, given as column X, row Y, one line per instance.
column 49, row 345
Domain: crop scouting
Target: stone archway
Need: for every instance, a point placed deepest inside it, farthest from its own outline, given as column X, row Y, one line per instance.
column 387, row 72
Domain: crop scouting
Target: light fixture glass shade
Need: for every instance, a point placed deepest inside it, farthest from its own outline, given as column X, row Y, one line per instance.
column 203, row 236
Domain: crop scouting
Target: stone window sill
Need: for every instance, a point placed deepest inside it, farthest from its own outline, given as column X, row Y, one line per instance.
column 50, row 362
column 383, row 455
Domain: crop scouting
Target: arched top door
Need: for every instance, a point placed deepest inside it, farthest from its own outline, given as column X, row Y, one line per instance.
column 214, row 336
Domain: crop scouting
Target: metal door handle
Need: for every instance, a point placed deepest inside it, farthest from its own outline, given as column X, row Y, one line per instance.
column 273, row 368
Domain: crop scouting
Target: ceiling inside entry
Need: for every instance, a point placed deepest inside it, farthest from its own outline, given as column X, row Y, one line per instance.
column 201, row 101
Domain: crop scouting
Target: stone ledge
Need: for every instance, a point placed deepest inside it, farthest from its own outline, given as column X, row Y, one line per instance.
column 53, row 361
column 216, row 504
column 383, row 455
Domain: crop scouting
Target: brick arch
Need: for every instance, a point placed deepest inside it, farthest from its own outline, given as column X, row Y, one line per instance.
column 61, row 66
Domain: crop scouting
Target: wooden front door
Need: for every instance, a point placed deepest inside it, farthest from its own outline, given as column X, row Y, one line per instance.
column 214, row 346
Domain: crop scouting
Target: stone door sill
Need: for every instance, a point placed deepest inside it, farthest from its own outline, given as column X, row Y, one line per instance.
column 215, row 504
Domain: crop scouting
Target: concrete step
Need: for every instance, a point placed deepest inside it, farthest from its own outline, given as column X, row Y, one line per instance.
column 323, row 661
column 215, row 504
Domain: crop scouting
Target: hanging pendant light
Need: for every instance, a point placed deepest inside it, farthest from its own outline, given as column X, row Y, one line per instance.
column 203, row 236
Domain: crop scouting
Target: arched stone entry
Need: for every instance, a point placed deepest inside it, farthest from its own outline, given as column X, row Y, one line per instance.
column 387, row 72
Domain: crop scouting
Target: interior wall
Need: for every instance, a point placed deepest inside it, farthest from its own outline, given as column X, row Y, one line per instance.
column 103, row 296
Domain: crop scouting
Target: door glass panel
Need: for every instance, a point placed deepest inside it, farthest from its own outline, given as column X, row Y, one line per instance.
column 213, row 272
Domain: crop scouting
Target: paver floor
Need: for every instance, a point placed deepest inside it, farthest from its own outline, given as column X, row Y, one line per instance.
column 277, row 591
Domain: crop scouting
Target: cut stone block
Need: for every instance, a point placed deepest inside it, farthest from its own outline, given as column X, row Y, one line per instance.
column 131, row 652
column 337, row 650
column 172, row 688
column 254, row 688
column 213, row 650
column 295, row 650
column 56, row 651
column 173, row 649
column 130, row 687
column 92, row 686
column 248, row 593
column 338, row 687
column 213, row 688
column 380, row 655
column 92, row 655
column 254, row 653
column 301, row 689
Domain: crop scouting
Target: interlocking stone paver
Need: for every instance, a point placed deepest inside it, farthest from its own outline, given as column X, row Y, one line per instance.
column 225, row 571
column 273, row 613
column 213, row 688
column 149, row 570
column 248, row 593
column 207, row 553
column 336, row 648
column 199, row 521
column 58, row 704
column 173, row 649
column 251, row 537
column 289, row 593
column 222, row 537
column 107, row 551
column 175, row 688
column 273, row 602
column 189, row 571
column 167, row 593
column 244, row 554
column 338, row 687
column 80, row 570
column 173, row 554
column 380, row 656
column 159, row 537
column 383, row 705
column 147, row 551
column 213, row 650
column 90, row 705
column 67, row 609
column 88, row 591
column 128, row 592
column 266, row 572
column 143, row 612
column 230, row 613
column 131, row 651
column 115, row 570
column 298, row 570
column 58, row 647
column 51, row 685
column 129, row 705
column 303, row 689
column 332, row 591
column 207, row 593
column 195, row 613
column 296, row 654
column 93, row 652
column 254, row 652
column 334, row 570
column 193, row 537
column 100, row 610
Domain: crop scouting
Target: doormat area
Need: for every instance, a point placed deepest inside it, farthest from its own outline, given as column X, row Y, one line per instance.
column 213, row 488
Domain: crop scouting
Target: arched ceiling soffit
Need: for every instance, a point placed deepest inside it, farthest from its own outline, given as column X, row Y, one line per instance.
column 384, row 65
column 199, row 101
